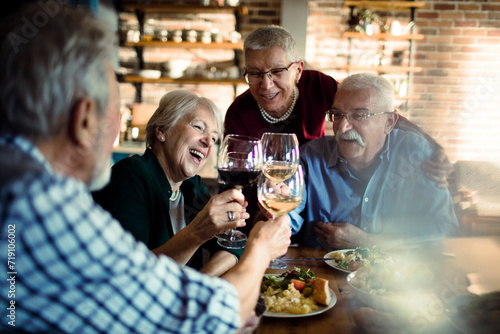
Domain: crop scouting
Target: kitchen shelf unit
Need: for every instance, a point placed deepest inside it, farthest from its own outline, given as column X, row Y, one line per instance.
column 141, row 10
column 181, row 81
column 411, row 6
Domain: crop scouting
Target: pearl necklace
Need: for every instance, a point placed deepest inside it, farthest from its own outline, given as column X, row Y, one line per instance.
column 175, row 195
column 271, row 119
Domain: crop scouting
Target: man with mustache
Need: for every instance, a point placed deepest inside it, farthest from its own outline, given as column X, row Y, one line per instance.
column 365, row 186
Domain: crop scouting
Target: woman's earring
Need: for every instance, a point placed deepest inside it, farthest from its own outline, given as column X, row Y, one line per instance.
column 162, row 139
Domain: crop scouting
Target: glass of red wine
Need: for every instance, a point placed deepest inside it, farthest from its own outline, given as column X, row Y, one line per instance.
column 239, row 166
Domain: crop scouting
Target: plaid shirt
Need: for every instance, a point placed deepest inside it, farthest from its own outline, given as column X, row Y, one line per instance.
column 70, row 267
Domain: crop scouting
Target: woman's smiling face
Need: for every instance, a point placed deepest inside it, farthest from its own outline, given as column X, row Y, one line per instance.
column 189, row 144
column 275, row 96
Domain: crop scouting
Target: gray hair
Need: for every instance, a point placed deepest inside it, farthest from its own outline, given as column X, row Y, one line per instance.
column 383, row 88
column 51, row 58
column 175, row 105
column 268, row 36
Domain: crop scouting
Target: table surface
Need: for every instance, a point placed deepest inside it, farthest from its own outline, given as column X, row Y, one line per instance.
column 336, row 320
column 461, row 265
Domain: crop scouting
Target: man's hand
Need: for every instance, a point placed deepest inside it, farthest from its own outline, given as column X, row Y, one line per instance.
column 272, row 235
column 439, row 168
column 267, row 240
column 342, row 235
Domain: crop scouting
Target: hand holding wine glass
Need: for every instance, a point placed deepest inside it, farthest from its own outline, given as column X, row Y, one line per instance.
column 279, row 198
column 238, row 164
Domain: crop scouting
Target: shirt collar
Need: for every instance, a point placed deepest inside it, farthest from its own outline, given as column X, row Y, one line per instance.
column 29, row 148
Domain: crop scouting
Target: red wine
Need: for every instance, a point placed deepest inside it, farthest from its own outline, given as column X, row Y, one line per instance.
column 237, row 178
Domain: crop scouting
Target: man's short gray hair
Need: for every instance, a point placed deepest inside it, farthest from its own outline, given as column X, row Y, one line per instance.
column 50, row 58
column 384, row 89
column 175, row 105
column 267, row 36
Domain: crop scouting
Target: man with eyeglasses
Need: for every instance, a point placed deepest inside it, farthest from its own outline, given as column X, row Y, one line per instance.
column 72, row 268
column 365, row 186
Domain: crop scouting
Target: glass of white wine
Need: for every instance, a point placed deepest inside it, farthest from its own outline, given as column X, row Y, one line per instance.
column 279, row 197
column 280, row 154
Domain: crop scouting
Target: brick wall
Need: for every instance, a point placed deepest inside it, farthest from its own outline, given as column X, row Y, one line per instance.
column 459, row 86
column 460, row 83
column 458, row 89
column 260, row 13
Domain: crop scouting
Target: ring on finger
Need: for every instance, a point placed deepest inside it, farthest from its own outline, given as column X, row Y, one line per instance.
column 230, row 215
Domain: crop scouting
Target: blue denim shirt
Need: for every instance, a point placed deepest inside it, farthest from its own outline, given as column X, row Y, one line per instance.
column 398, row 199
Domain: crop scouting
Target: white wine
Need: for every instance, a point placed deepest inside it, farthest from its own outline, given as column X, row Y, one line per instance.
column 277, row 204
column 279, row 171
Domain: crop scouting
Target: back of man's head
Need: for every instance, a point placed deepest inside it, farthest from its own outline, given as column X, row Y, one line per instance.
column 51, row 57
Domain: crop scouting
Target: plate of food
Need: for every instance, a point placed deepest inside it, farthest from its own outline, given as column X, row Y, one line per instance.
column 396, row 286
column 296, row 293
column 350, row 260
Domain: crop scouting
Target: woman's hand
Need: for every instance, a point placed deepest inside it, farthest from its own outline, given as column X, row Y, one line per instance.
column 438, row 169
column 222, row 212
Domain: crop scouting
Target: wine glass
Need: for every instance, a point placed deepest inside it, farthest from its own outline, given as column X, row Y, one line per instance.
column 280, row 155
column 238, row 164
column 281, row 197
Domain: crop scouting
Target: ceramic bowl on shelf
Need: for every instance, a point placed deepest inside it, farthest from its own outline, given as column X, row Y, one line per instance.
column 176, row 67
column 150, row 74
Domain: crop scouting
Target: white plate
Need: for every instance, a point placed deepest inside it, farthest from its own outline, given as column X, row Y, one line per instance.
column 333, row 264
column 320, row 310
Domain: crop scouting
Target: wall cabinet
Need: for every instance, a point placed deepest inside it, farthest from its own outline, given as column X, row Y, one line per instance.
column 195, row 20
column 383, row 35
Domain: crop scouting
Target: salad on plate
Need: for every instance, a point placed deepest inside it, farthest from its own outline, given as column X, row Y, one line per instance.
column 350, row 260
column 297, row 292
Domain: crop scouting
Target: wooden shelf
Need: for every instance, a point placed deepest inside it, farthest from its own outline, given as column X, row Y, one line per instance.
column 181, row 81
column 385, row 5
column 383, row 37
column 190, row 11
column 185, row 9
column 384, row 69
column 187, row 45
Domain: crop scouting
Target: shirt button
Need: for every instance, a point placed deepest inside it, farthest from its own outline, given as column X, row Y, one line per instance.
column 366, row 199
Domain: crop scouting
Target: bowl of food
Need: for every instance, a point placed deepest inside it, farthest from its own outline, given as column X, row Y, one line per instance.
column 394, row 287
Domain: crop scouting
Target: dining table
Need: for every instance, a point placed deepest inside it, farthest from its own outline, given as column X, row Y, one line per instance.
column 462, row 266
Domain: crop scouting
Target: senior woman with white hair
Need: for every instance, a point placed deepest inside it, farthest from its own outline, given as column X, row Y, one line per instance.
column 159, row 198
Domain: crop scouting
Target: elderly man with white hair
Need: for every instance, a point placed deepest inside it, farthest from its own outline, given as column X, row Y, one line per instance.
column 69, row 266
column 365, row 186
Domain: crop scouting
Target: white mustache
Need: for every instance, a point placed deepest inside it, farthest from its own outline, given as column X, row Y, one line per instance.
column 350, row 135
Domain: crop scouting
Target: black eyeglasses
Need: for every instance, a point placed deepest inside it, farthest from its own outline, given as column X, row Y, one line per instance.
column 274, row 74
column 334, row 115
